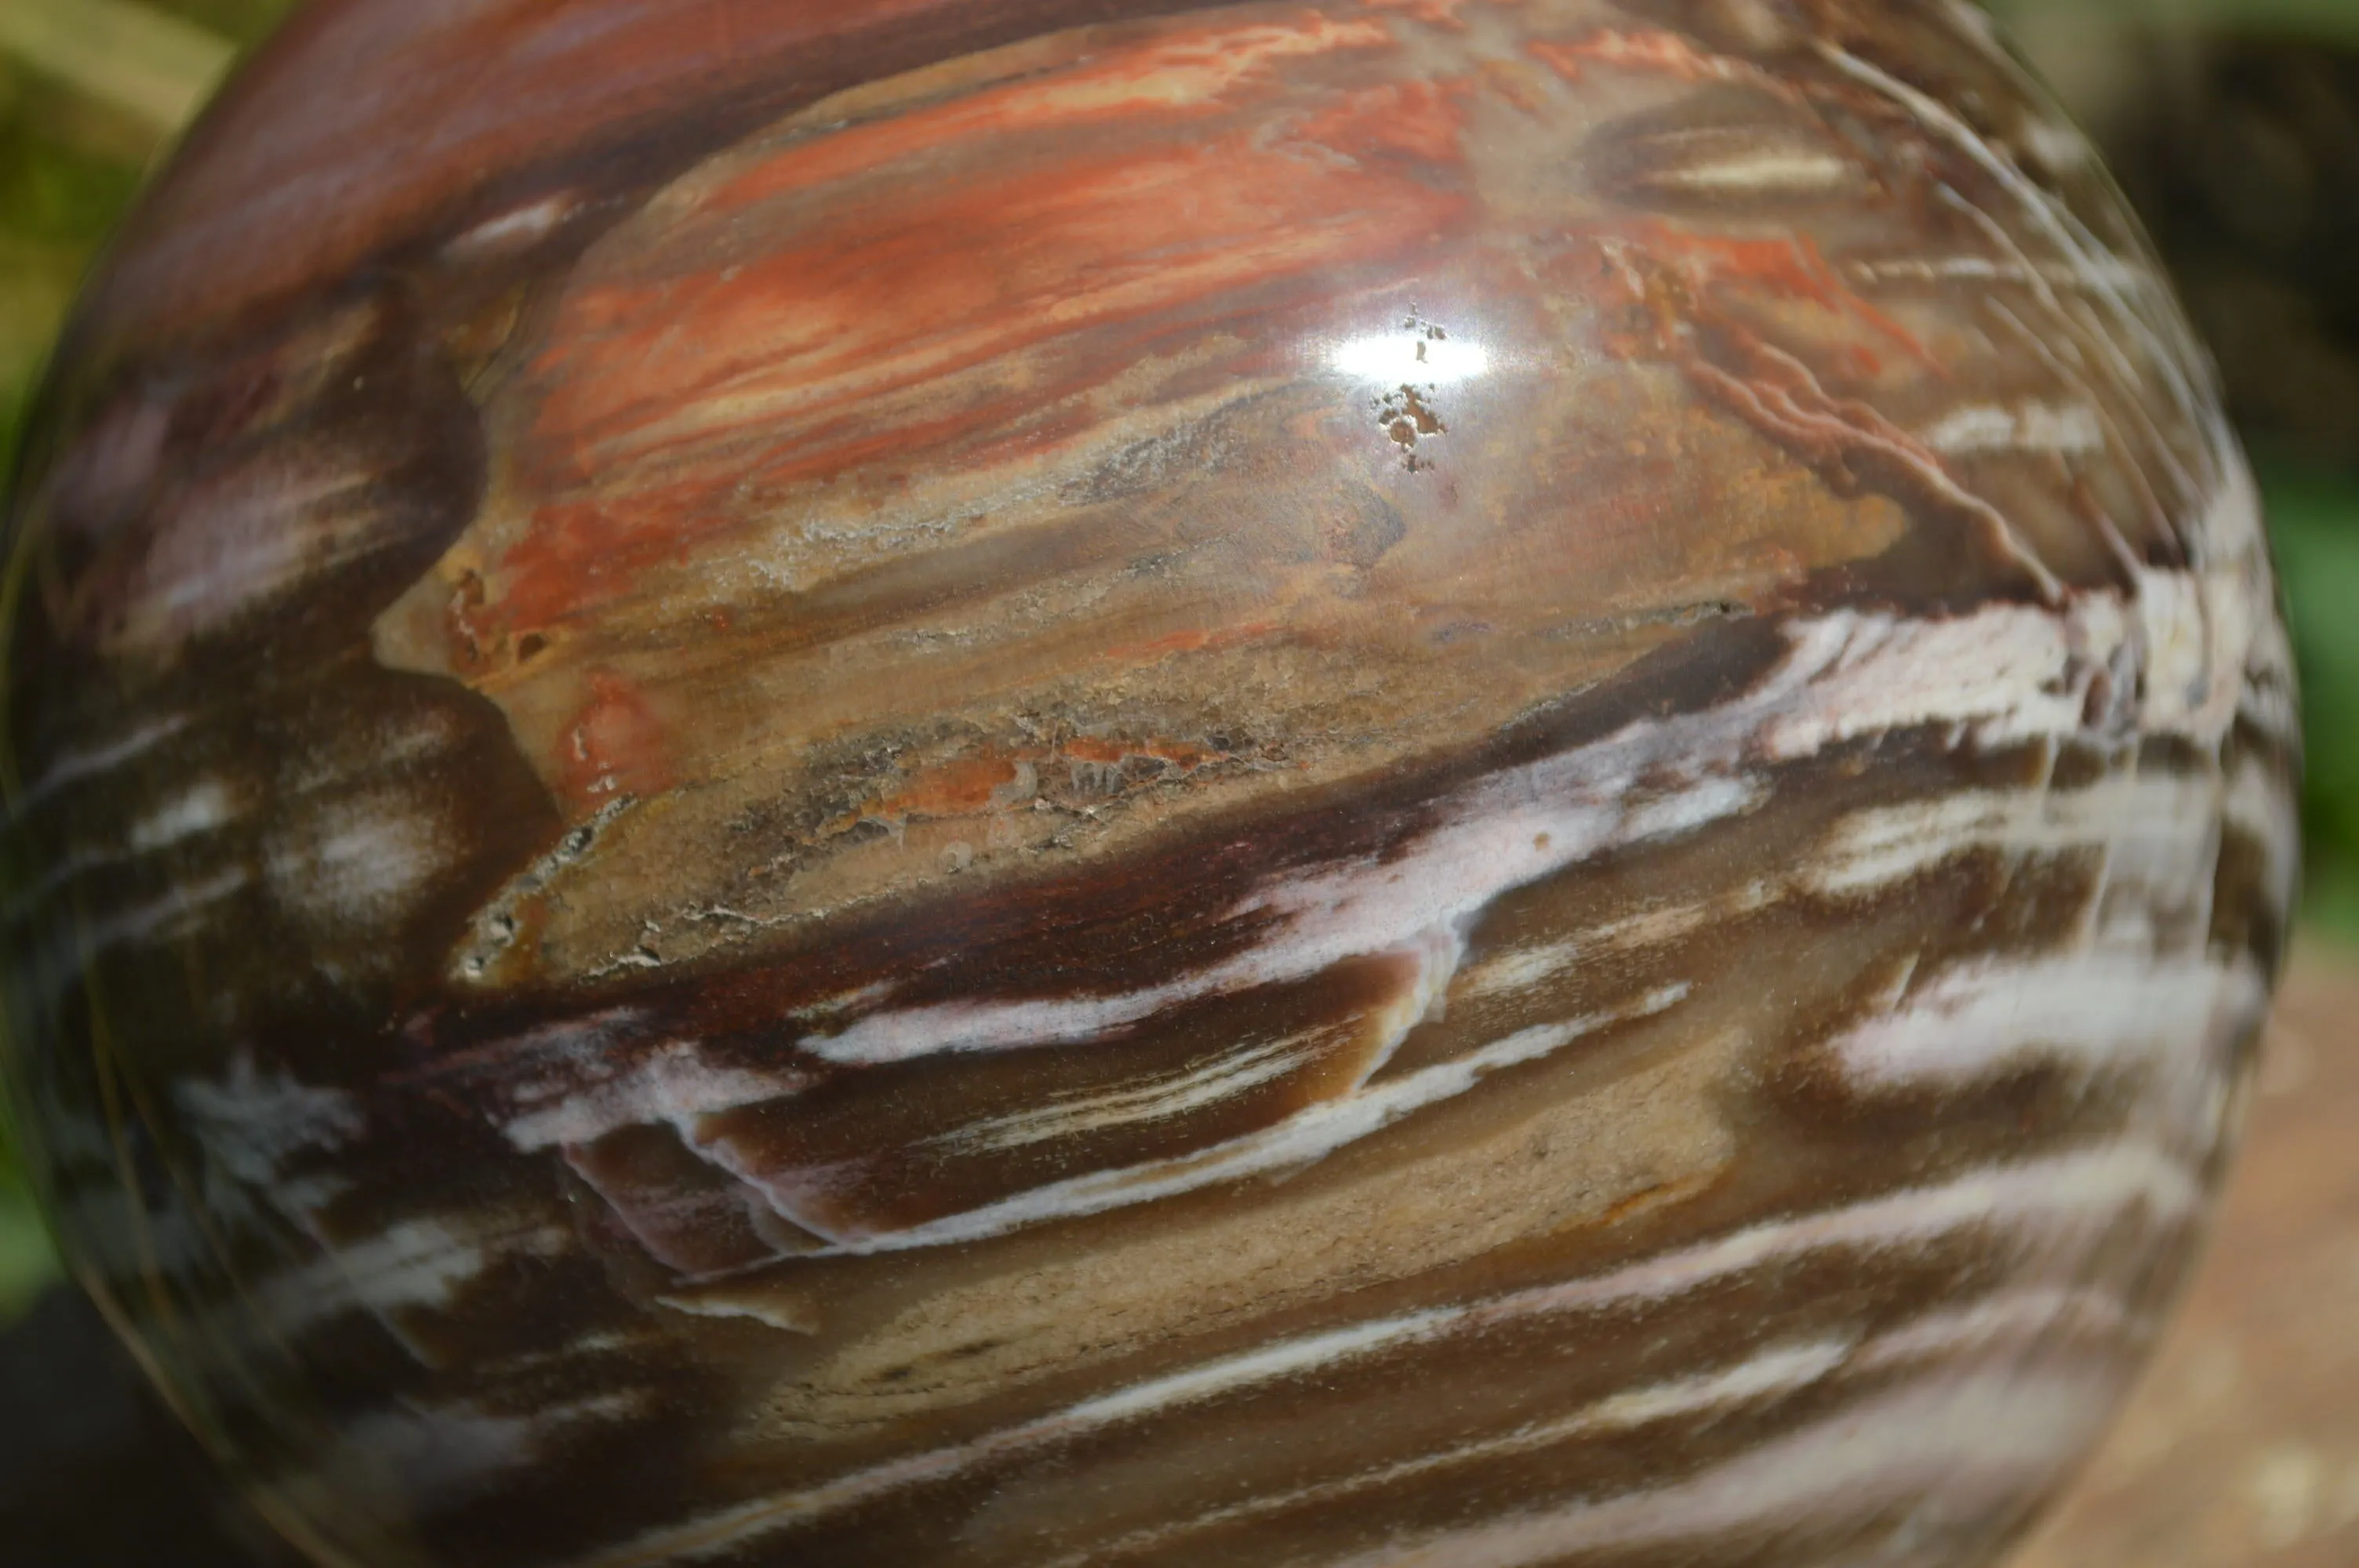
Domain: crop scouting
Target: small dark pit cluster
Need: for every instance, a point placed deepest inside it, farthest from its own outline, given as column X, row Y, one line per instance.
column 1406, row 414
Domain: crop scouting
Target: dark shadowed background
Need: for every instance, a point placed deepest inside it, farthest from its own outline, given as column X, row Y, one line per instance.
column 2233, row 124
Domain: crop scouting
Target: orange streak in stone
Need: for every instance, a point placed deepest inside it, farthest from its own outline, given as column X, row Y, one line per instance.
column 832, row 351
column 961, row 788
column 1436, row 13
column 1181, row 754
column 1775, row 391
column 980, row 783
column 1651, row 49
column 882, row 300
column 1420, row 119
column 614, row 746
column 1193, row 641
column 1791, row 265
column 1187, row 75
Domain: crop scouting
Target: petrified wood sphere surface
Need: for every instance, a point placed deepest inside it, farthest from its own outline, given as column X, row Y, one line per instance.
column 1037, row 784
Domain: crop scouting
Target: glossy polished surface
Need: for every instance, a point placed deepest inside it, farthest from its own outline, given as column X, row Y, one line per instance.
column 1443, row 783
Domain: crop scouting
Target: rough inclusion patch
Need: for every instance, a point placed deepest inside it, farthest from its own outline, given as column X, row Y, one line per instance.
column 1380, row 782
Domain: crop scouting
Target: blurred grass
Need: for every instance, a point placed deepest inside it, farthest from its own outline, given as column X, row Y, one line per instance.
column 2335, row 19
column 91, row 91
column 2314, row 518
column 26, row 1262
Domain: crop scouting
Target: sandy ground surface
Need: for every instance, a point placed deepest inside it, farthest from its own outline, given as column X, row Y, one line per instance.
column 2242, row 1447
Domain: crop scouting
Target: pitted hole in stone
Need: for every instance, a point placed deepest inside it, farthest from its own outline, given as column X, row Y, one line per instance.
column 499, row 925
column 1409, row 416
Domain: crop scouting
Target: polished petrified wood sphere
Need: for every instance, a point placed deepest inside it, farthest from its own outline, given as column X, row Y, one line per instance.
column 1024, row 784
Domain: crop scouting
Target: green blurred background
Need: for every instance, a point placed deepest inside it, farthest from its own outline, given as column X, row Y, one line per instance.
column 2234, row 126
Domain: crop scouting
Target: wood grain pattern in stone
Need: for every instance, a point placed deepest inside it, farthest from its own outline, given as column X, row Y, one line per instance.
column 1473, row 782
column 2242, row 1445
